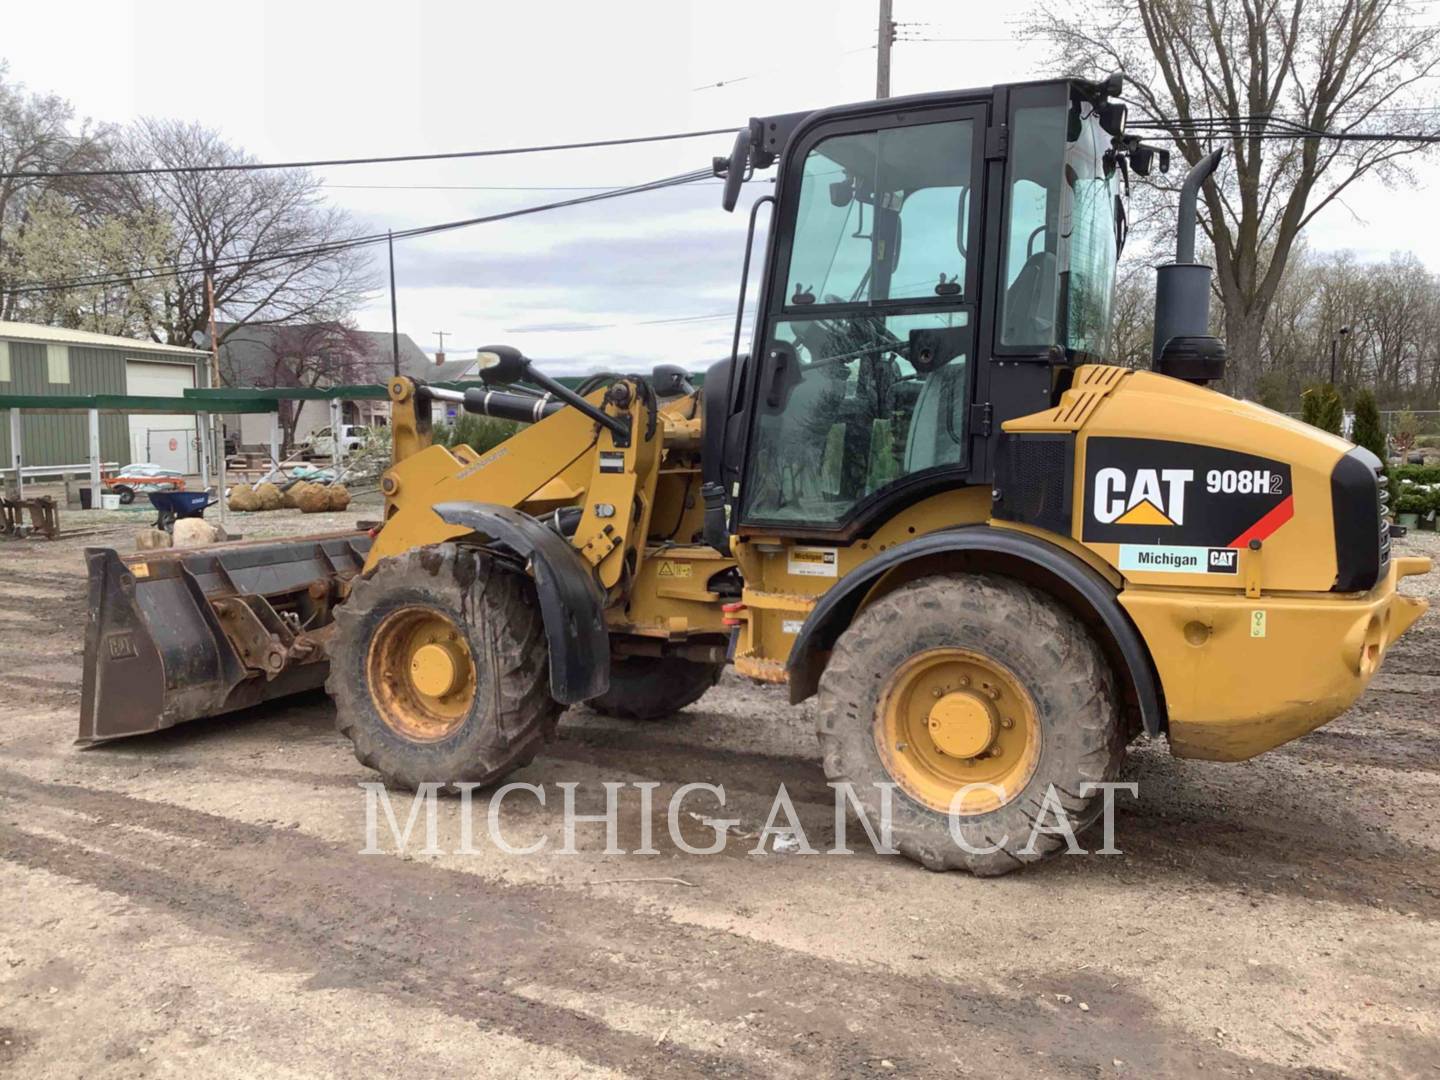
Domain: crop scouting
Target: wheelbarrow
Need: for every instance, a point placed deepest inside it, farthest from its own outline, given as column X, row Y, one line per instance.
column 174, row 505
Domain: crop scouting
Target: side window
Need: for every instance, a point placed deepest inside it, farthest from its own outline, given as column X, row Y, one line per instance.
column 849, row 414
column 1032, row 270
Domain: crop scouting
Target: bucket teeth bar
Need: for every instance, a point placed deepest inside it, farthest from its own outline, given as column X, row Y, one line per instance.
column 179, row 635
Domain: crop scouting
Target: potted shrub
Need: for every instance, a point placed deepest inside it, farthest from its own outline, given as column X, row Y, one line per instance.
column 1431, row 508
column 1409, row 505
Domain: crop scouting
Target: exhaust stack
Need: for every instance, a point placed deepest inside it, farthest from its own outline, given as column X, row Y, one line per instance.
column 1183, row 347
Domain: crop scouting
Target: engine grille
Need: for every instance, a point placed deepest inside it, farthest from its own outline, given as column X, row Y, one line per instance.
column 1382, row 488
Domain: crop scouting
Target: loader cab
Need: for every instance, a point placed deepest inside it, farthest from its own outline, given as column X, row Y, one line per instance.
column 935, row 265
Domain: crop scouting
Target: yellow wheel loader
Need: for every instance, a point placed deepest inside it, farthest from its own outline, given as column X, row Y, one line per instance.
column 923, row 497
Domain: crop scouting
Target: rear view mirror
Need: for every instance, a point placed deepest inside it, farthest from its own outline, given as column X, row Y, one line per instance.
column 842, row 191
column 501, row 365
column 736, row 168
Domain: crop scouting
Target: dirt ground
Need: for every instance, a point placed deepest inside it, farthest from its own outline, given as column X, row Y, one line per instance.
column 196, row 903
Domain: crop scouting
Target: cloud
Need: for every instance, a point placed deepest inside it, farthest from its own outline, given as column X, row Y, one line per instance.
column 686, row 262
column 556, row 328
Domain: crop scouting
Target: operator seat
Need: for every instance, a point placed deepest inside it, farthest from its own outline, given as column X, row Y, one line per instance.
column 937, row 426
column 1030, row 302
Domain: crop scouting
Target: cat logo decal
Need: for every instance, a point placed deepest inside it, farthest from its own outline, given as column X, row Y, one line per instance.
column 1143, row 497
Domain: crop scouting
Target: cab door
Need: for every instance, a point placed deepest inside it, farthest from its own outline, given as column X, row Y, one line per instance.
column 866, row 373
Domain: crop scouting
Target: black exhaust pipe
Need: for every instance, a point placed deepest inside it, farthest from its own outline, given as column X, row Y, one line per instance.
column 1183, row 346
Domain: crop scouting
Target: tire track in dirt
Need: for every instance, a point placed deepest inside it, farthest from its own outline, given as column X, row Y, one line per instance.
column 1174, row 833
column 62, row 581
column 1311, row 862
column 37, row 689
column 450, row 940
column 1408, row 751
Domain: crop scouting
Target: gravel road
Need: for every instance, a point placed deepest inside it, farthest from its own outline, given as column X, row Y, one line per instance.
column 197, row 903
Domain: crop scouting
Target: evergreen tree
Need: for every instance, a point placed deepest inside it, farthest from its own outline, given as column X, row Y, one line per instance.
column 1368, row 432
column 1321, row 407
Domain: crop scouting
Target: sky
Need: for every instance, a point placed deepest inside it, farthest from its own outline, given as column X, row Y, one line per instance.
column 625, row 283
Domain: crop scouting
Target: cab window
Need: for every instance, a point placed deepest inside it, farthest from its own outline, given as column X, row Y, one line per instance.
column 865, row 379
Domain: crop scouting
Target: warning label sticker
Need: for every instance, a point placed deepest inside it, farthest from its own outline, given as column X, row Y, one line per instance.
column 674, row 570
column 814, row 562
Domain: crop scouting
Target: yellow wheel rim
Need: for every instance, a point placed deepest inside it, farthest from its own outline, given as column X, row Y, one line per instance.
column 949, row 719
column 421, row 674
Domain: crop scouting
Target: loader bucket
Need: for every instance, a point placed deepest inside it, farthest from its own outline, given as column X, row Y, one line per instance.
column 178, row 635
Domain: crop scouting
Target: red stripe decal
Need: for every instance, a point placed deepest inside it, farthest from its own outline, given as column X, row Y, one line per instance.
column 1262, row 529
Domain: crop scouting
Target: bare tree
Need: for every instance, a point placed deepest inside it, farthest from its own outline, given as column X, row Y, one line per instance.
column 238, row 222
column 325, row 353
column 1132, row 320
column 1399, row 299
column 1346, row 66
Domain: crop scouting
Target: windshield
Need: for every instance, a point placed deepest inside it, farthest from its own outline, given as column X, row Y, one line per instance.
column 1061, row 237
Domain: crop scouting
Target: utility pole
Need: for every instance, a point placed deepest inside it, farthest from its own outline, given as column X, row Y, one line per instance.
column 215, row 383
column 886, row 38
column 440, row 352
column 1334, row 342
column 394, row 310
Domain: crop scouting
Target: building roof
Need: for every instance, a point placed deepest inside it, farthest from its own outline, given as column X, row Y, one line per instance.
column 246, row 353
column 18, row 331
column 450, row 371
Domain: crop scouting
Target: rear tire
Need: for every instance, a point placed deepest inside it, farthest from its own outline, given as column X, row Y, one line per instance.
column 1013, row 665
column 654, row 687
column 491, row 639
column 126, row 493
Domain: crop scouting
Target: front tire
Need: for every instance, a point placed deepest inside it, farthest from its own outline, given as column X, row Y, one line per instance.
column 439, row 669
column 958, row 681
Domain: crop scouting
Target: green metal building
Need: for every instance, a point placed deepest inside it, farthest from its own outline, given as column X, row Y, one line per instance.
column 48, row 360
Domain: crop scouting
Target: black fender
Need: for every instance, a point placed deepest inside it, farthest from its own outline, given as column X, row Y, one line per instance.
column 995, row 550
column 572, row 604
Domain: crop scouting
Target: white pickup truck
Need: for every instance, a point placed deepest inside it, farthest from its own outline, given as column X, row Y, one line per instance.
column 322, row 442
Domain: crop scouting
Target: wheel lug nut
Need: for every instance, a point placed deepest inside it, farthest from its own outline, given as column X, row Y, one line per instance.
column 1007, row 723
column 938, row 692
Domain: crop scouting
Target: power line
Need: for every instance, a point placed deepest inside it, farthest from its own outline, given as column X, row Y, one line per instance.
column 1263, row 126
column 488, row 187
column 765, row 71
column 152, row 170
column 174, row 270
